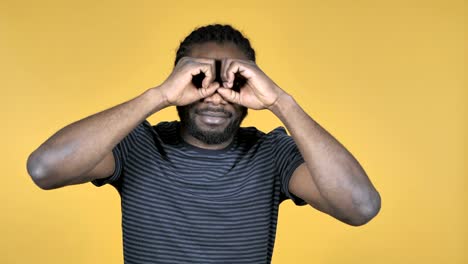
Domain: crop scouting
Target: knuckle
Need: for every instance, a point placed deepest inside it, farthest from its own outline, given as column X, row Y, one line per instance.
column 191, row 62
column 200, row 93
column 184, row 60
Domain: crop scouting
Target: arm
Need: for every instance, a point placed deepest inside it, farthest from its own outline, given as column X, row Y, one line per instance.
column 331, row 180
column 82, row 151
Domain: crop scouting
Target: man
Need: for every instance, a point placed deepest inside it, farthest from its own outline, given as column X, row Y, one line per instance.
column 205, row 190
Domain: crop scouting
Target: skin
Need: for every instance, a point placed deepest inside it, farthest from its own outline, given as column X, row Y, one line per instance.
column 331, row 179
column 206, row 53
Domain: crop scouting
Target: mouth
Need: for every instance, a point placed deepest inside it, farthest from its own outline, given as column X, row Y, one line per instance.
column 213, row 118
column 214, row 114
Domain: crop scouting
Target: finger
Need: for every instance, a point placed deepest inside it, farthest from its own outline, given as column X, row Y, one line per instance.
column 210, row 90
column 224, row 65
column 237, row 66
column 229, row 95
column 187, row 59
column 209, row 78
column 206, row 68
column 210, row 75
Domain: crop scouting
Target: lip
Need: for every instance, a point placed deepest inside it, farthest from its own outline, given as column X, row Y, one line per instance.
column 213, row 114
column 213, row 119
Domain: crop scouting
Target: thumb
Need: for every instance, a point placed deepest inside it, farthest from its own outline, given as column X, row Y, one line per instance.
column 229, row 95
column 211, row 89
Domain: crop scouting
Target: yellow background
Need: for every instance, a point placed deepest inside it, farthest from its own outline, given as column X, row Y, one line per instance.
column 386, row 78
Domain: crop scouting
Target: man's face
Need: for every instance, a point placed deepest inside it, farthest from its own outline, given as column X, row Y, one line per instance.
column 213, row 120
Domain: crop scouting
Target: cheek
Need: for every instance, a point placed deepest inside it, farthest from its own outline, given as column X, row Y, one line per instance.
column 240, row 111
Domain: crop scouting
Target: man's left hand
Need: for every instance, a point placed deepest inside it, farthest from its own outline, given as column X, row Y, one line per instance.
column 259, row 91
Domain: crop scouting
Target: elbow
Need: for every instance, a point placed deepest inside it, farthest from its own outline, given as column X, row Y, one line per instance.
column 38, row 173
column 367, row 211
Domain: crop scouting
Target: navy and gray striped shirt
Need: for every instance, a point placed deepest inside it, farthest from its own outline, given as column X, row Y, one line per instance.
column 184, row 204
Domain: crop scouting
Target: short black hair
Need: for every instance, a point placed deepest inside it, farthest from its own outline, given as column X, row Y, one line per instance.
column 218, row 33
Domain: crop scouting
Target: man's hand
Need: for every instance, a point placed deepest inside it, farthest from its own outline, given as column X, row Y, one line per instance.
column 179, row 90
column 259, row 91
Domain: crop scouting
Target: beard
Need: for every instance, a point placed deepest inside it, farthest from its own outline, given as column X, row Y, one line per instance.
column 210, row 137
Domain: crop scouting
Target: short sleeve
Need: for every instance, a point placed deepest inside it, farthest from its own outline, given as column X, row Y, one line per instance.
column 121, row 153
column 287, row 158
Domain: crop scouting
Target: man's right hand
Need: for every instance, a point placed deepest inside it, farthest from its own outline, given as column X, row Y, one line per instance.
column 82, row 151
column 179, row 90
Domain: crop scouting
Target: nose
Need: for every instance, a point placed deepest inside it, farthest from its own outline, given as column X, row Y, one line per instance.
column 215, row 99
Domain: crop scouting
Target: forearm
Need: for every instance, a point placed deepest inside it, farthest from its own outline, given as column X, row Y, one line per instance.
column 340, row 179
column 79, row 146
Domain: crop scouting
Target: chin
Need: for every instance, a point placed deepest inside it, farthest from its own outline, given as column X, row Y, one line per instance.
column 208, row 131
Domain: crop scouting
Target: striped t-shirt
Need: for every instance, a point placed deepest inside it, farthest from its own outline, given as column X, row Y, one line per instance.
column 184, row 204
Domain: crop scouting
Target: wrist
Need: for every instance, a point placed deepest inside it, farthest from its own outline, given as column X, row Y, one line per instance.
column 284, row 102
column 157, row 99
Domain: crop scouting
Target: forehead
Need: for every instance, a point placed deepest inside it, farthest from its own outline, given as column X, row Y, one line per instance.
column 217, row 51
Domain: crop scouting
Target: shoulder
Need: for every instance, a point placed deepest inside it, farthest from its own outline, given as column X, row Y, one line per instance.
column 253, row 135
column 167, row 130
column 146, row 128
column 278, row 132
column 166, row 125
column 250, row 132
column 254, row 132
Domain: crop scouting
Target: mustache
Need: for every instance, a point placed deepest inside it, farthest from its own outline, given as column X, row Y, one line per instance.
column 211, row 109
